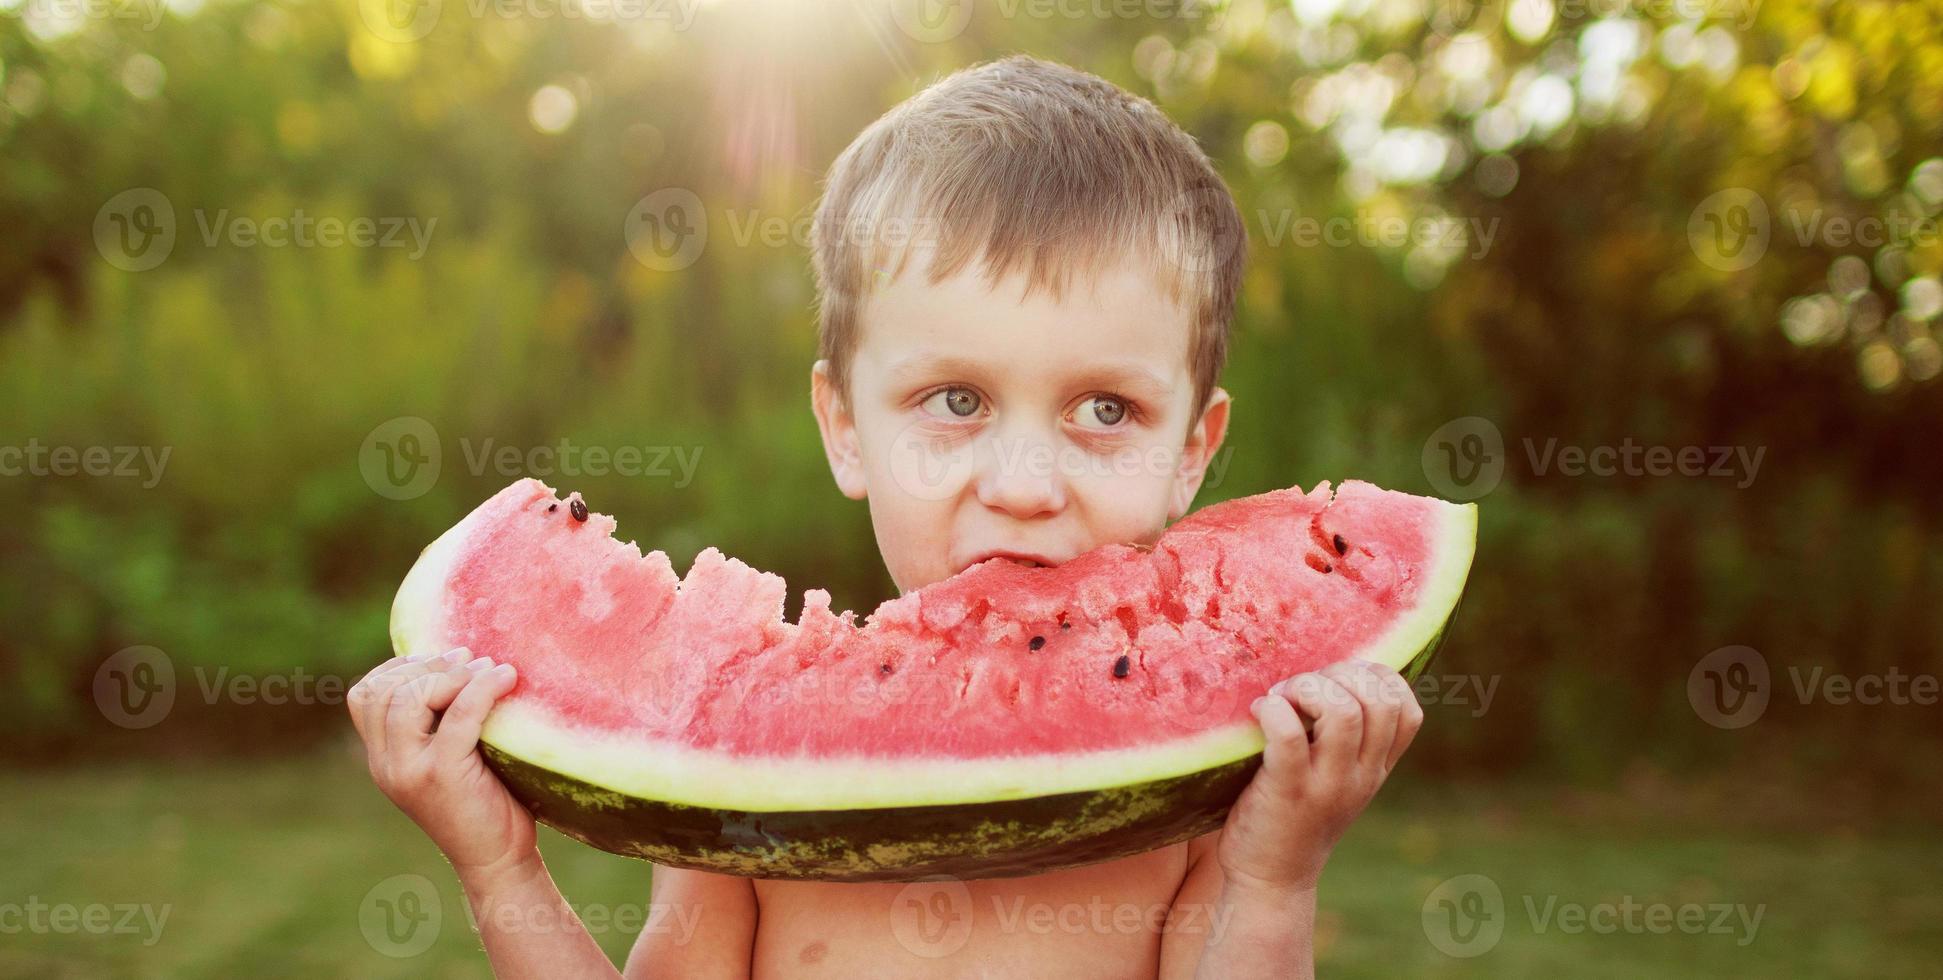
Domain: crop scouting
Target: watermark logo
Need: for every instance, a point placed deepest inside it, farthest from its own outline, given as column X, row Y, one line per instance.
column 138, row 687
column 1729, row 230
column 667, row 230
column 1449, row 235
column 1464, row 916
column 929, row 468
column 400, row 21
column 1464, row 459
column 400, row 916
column 135, row 229
column 1731, row 687
column 400, row 458
column 931, row 21
column 135, row 688
column 1449, row 18
column 1208, row 209
column 932, row 918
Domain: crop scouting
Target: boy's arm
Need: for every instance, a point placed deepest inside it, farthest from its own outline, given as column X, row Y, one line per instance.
column 701, row 926
column 420, row 718
column 528, row 928
column 1252, row 888
column 1218, row 929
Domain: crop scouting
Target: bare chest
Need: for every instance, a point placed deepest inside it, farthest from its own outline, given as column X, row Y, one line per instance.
column 1103, row 921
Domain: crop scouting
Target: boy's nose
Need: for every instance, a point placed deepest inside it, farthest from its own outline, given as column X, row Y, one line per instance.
column 1022, row 480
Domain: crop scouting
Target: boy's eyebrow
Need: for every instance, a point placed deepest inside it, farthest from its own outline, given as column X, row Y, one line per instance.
column 928, row 364
column 1126, row 379
column 1123, row 377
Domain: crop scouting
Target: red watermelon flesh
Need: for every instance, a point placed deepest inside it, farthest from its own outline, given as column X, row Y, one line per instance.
column 1003, row 682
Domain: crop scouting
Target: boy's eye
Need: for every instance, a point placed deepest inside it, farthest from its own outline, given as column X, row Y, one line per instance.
column 960, row 402
column 1100, row 411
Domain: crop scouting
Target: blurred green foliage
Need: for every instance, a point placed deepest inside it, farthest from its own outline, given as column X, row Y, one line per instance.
column 1594, row 317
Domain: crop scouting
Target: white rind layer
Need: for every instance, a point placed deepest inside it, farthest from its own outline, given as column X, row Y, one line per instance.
column 658, row 769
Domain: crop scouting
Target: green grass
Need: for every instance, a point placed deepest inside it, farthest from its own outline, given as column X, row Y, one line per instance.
column 263, row 868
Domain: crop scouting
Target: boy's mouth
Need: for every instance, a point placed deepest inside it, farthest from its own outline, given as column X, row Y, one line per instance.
column 1026, row 558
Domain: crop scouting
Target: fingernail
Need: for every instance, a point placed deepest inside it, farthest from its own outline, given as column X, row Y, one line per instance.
column 1255, row 706
column 421, row 655
column 457, row 655
column 479, row 662
column 503, row 670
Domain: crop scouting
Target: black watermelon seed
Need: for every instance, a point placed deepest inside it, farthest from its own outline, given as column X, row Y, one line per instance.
column 1065, row 626
column 1342, row 547
column 1123, row 666
column 1037, row 642
column 578, row 510
column 883, row 668
column 550, row 508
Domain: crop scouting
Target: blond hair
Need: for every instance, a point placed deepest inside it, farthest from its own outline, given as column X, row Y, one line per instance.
column 1034, row 167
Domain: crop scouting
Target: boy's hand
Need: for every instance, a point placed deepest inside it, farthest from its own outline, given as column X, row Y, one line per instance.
column 1311, row 786
column 428, row 763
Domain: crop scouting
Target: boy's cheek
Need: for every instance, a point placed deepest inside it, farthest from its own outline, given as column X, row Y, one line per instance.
column 911, row 537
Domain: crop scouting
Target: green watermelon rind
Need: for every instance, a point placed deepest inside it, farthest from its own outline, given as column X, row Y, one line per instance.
column 991, row 839
column 864, row 820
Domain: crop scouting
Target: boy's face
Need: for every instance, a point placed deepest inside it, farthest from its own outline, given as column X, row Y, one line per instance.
column 984, row 422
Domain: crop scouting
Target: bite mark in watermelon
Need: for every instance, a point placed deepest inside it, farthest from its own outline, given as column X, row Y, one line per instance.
column 1008, row 720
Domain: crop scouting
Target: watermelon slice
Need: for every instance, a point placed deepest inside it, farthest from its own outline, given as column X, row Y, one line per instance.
column 1008, row 720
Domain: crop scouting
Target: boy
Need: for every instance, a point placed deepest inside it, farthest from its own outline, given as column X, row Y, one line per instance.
column 1027, row 276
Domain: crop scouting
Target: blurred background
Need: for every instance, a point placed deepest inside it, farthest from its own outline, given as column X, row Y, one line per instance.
column 287, row 287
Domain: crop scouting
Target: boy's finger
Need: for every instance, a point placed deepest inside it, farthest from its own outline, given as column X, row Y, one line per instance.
column 381, row 682
column 1286, row 757
column 370, row 702
column 459, row 730
column 1370, row 683
column 1339, row 719
column 410, row 709
column 1409, row 720
column 360, row 696
column 370, row 698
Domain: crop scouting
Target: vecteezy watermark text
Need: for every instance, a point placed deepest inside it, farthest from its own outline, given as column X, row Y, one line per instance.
column 402, row 457
column 567, row 458
column 302, row 230
column 39, row 918
column 136, row 230
column 405, row 21
column 145, row 463
column 1466, row 459
column 1471, row 236
column 935, row 917
column 1465, row 916
column 1731, row 687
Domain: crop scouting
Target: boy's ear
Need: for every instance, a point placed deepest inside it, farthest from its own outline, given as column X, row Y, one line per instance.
column 1203, row 447
column 839, row 432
